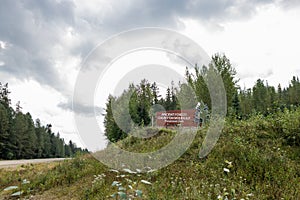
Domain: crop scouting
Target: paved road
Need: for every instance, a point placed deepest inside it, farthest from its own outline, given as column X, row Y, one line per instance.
column 15, row 163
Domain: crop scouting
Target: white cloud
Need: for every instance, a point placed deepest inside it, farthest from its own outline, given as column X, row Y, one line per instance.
column 3, row 45
column 265, row 46
column 42, row 43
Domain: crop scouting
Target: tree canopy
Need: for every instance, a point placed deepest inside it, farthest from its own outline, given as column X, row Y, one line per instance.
column 138, row 104
column 22, row 138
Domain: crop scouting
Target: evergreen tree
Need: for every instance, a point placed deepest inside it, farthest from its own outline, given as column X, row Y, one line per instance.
column 144, row 102
column 133, row 105
column 246, row 103
column 260, row 97
column 294, row 91
column 155, row 93
column 47, row 141
column 112, row 130
column 236, row 106
column 174, row 102
column 221, row 64
column 168, row 100
column 30, row 139
column 18, row 136
column 4, row 131
column 40, row 134
column 197, row 82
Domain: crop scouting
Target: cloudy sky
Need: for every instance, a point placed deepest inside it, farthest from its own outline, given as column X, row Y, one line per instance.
column 44, row 42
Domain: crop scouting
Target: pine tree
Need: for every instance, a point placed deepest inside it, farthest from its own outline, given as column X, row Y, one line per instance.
column 168, row 100
column 47, row 141
column 4, row 131
column 236, row 106
column 260, row 97
column 222, row 65
column 174, row 101
column 30, row 139
column 112, row 130
column 197, row 83
column 186, row 97
column 155, row 93
column 144, row 102
column 18, row 136
column 40, row 132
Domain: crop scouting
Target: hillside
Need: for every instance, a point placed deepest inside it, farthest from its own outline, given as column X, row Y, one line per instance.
column 258, row 158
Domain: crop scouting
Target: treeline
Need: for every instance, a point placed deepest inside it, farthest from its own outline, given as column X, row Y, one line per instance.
column 243, row 103
column 265, row 99
column 137, row 105
column 21, row 138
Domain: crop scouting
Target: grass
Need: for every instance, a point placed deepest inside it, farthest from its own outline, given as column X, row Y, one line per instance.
column 257, row 158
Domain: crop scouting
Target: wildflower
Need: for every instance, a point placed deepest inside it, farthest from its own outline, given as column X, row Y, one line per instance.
column 129, row 171
column 114, row 170
column 146, row 182
column 25, row 181
column 122, row 188
column 116, row 183
column 151, row 170
column 19, row 193
column 138, row 170
column 226, row 170
column 10, row 188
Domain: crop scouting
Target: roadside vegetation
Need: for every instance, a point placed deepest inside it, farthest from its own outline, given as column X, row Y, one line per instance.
column 258, row 158
column 21, row 138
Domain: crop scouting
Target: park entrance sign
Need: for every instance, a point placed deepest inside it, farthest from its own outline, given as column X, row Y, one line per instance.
column 185, row 118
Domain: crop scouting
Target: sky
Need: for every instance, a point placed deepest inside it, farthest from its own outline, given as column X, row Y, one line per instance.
column 43, row 45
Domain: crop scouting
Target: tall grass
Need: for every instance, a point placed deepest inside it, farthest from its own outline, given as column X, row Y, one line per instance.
column 258, row 158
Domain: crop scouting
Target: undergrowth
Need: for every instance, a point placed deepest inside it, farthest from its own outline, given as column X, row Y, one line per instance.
column 258, row 158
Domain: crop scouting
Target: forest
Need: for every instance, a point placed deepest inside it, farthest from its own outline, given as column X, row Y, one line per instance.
column 22, row 138
column 242, row 103
column 256, row 156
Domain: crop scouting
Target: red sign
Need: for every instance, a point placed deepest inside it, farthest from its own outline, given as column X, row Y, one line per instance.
column 176, row 117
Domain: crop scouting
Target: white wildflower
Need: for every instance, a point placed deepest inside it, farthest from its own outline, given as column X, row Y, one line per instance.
column 146, row 182
column 226, row 170
column 114, row 170
column 129, row 171
column 138, row 170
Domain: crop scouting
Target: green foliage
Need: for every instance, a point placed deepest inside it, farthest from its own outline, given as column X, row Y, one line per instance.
column 4, row 129
column 253, row 159
column 264, row 99
column 221, row 65
column 20, row 138
column 135, row 107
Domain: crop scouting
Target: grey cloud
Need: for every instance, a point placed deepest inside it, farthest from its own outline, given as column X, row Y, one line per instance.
column 52, row 11
column 81, row 109
column 165, row 13
column 289, row 4
column 32, row 28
